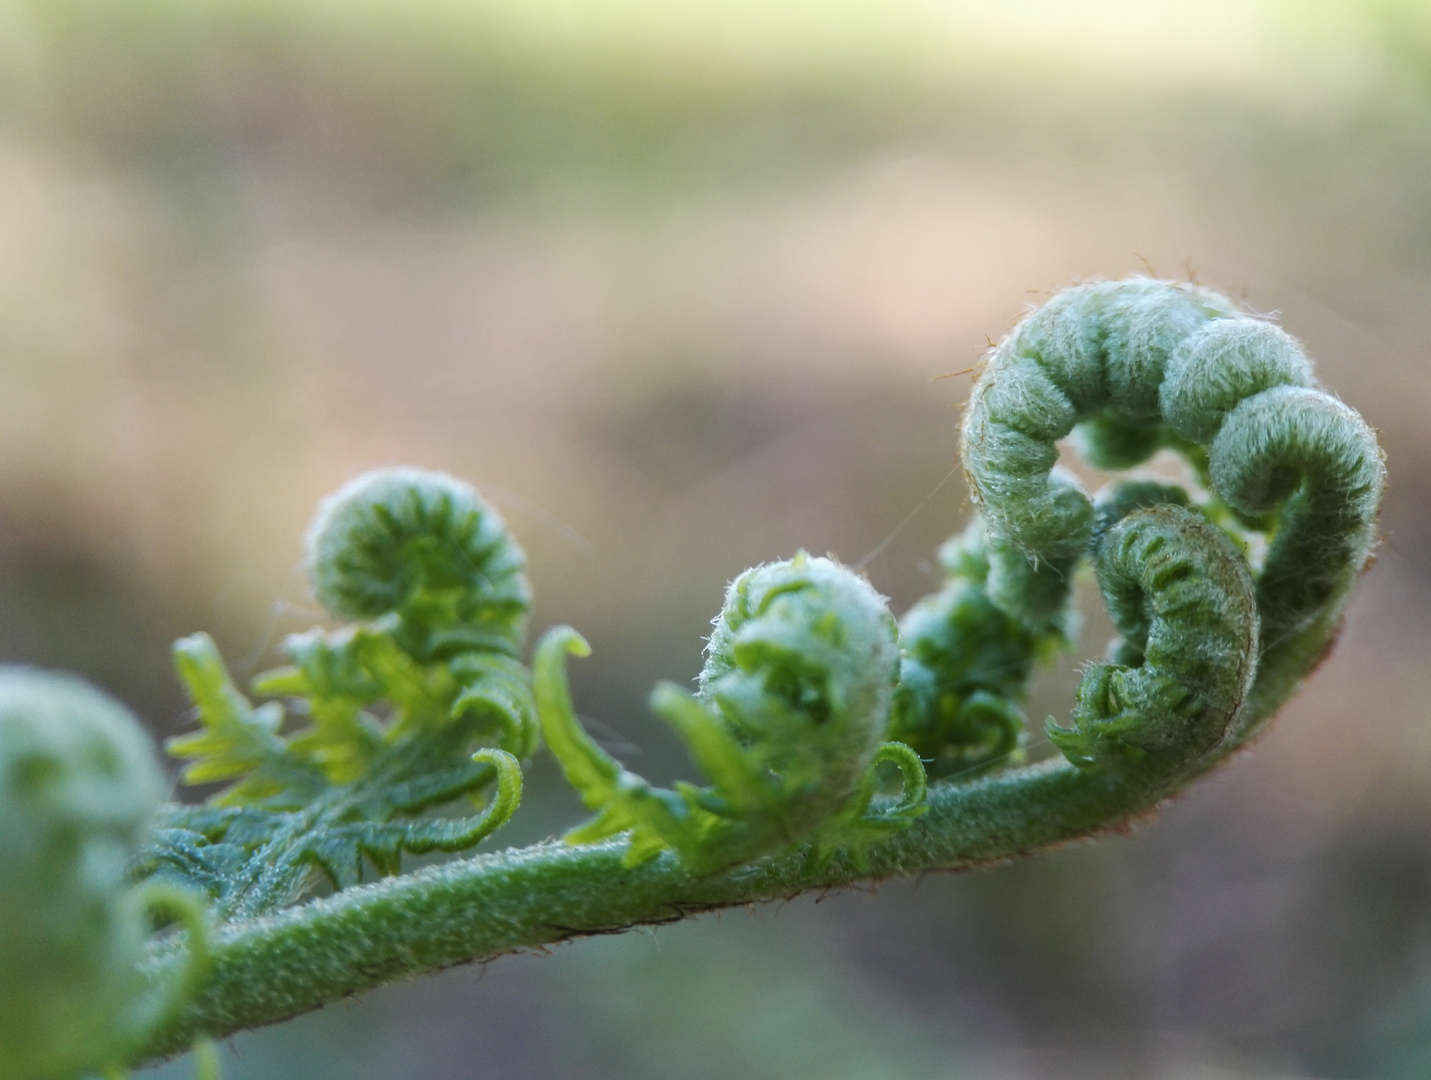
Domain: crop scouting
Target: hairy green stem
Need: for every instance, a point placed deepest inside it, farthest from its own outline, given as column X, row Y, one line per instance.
column 482, row 907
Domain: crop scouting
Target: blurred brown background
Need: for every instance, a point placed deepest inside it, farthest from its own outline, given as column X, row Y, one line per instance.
column 670, row 282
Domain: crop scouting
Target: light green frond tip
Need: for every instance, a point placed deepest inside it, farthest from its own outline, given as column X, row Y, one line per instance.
column 424, row 547
column 421, row 703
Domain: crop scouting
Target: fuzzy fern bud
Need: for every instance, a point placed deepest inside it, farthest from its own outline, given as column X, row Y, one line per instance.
column 78, row 787
column 800, row 666
column 1182, row 596
column 1136, row 365
column 422, row 703
column 422, row 546
column 788, row 726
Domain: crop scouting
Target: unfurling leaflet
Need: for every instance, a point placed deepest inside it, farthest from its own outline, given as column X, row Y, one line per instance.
column 966, row 660
column 422, row 703
column 78, row 789
column 788, row 726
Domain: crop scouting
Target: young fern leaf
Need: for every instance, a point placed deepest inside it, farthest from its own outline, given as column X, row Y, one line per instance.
column 421, row 705
column 236, row 741
column 788, row 726
column 806, row 691
column 966, row 662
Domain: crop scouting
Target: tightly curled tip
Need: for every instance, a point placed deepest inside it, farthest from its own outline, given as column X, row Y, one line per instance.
column 788, row 726
column 788, row 592
column 78, row 786
column 424, row 546
column 802, row 661
column 1182, row 596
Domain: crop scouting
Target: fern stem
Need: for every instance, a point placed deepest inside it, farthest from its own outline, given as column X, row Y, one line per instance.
column 482, row 907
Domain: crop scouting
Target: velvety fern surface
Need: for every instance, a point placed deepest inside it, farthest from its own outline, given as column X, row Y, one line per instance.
column 834, row 743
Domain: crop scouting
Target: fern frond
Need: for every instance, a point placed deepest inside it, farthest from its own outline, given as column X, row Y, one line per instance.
column 421, row 705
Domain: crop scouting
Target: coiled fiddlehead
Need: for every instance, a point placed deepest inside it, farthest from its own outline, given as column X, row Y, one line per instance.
column 788, row 726
column 1183, row 598
column 422, row 703
column 1138, row 365
column 78, row 789
column 424, row 548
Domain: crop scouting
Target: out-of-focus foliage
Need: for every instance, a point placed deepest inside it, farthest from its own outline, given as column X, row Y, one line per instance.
column 78, row 789
column 472, row 98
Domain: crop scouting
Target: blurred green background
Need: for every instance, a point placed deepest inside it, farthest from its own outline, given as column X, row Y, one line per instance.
column 670, row 282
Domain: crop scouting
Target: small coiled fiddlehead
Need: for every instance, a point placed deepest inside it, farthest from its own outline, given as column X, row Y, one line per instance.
column 424, row 548
column 78, row 788
column 420, row 704
column 788, row 725
column 1183, row 599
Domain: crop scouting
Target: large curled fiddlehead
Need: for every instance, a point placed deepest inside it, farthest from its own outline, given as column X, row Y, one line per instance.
column 1138, row 365
column 788, row 726
column 422, row 703
column 78, row 788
